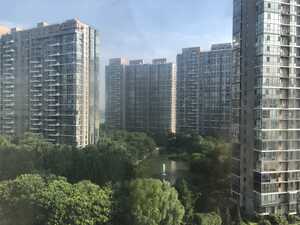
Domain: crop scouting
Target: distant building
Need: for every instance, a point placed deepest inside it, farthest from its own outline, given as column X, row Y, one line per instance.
column 115, row 93
column 204, row 90
column 141, row 97
column 188, row 91
column 49, row 78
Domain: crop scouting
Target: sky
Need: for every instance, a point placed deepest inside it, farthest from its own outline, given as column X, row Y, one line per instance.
column 136, row 29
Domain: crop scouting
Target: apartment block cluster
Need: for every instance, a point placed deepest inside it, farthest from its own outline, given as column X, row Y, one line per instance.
column 159, row 98
column 49, row 78
column 248, row 92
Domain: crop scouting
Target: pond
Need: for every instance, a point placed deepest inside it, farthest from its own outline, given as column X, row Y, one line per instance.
column 153, row 168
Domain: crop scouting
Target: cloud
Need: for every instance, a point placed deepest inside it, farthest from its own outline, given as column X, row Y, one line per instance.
column 4, row 30
column 10, row 24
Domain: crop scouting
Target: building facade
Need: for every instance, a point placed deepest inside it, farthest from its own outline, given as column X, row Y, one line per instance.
column 141, row 97
column 215, row 91
column 188, row 90
column 204, row 90
column 266, row 160
column 49, row 82
column 115, row 93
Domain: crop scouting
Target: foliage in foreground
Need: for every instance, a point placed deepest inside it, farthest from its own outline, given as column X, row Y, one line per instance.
column 32, row 199
column 148, row 202
column 114, row 159
column 154, row 202
column 207, row 219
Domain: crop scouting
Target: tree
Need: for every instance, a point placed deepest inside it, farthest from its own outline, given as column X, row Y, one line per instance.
column 113, row 159
column 207, row 219
column 292, row 219
column 4, row 142
column 19, row 201
column 227, row 217
column 153, row 202
column 264, row 222
column 278, row 220
column 236, row 215
column 34, row 200
column 187, row 198
column 210, row 172
column 138, row 145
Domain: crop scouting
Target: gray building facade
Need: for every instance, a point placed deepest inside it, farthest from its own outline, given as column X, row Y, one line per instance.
column 115, row 93
column 49, row 82
column 204, row 90
column 141, row 97
column 266, row 159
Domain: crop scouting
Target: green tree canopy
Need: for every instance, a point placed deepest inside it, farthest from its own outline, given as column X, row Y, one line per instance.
column 35, row 200
column 207, row 219
column 113, row 159
column 187, row 198
column 153, row 202
column 278, row 220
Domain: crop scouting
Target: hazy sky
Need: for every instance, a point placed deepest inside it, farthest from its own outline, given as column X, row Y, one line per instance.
column 133, row 28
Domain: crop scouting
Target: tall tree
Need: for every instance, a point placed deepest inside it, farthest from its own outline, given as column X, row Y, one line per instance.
column 187, row 198
column 153, row 202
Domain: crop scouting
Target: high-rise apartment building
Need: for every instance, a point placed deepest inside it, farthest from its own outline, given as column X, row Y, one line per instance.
column 204, row 90
column 188, row 90
column 141, row 97
column 49, row 77
column 115, row 93
column 215, row 90
column 266, row 106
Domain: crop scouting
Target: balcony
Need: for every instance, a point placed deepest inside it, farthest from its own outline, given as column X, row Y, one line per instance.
column 37, row 76
column 285, row 20
column 35, row 129
column 55, row 44
column 55, row 54
column 285, row 31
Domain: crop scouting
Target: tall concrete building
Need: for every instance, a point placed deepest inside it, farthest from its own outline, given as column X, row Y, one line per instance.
column 188, row 90
column 204, row 90
column 141, row 97
column 266, row 106
column 49, row 77
column 115, row 93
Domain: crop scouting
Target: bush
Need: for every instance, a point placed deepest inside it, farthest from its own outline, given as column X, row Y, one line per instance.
column 278, row 220
column 207, row 219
